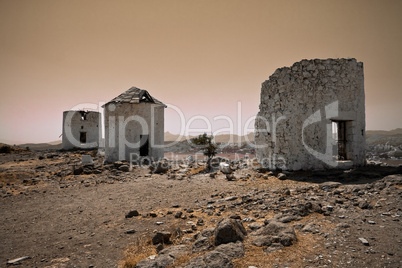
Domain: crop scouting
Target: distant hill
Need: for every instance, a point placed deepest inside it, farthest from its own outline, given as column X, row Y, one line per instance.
column 224, row 138
column 373, row 137
column 397, row 131
column 392, row 137
column 54, row 145
column 233, row 138
column 7, row 148
column 176, row 137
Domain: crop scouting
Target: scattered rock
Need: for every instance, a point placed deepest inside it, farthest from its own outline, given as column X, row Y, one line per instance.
column 178, row 214
column 343, row 225
column 281, row 176
column 329, row 185
column 261, row 241
column 225, row 168
column 273, row 247
column 18, row 260
column 365, row 205
column 213, row 259
column 277, row 232
column 229, row 230
column 160, row 167
column 364, row 241
column 309, row 228
column 255, row 226
column 232, row 250
column 161, row 237
column 124, row 168
column 132, row 213
column 289, row 218
column 201, row 244
column 78, row 170
column 86, row 160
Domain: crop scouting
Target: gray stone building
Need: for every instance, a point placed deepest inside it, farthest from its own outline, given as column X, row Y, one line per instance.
column 312, row 116
column 81, row 130
column 134, row 127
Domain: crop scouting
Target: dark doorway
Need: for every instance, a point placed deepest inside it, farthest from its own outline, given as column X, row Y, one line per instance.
column 339, row 134
column 144, row 149
column 83, row 137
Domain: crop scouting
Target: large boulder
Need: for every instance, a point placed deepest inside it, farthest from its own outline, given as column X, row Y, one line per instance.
column 161, row 237
column 213, row 259
column 274, row 233
column 225, row 168
column 229, row 230
column 201, row 244
column 232, row 250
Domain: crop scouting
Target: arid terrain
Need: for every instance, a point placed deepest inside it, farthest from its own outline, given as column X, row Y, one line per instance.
column 59, row 213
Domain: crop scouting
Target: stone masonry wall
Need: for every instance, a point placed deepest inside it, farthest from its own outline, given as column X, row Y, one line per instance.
column 299, row 104
column 124, row 125
column 74, row 124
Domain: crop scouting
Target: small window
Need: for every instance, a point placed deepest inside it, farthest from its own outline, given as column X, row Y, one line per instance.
column 83, row 115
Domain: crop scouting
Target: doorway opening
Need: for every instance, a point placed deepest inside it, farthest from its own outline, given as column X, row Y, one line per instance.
column 144, row 141
column 339, row 135
column 83, row 137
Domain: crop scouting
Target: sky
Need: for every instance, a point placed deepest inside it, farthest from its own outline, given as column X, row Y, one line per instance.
column 203, row 58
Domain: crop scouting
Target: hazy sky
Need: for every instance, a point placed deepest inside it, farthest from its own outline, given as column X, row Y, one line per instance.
column 202, row 56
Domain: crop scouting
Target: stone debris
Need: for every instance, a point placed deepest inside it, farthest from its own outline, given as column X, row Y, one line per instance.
column 160, row 167
column 161, row 238
column 165, row 257
column 132, row 213
column 269, row 214
column 281, row 176
column 124, row 168
column 229, row 230
column 274, row 232
column 213, row 259
column 17, row 260
column 87, row 160
column 364, row 241
column 225, row 168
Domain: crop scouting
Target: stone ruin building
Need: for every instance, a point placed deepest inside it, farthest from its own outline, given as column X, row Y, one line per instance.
column 312, row 116
column 81, row 130
column 134, row 127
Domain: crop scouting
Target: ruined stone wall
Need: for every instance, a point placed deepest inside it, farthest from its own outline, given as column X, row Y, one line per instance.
column 124, row 125
column 75, row 122
column 293, row 129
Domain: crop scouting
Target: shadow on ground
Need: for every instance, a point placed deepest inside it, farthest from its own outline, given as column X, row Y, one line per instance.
column 362, row 175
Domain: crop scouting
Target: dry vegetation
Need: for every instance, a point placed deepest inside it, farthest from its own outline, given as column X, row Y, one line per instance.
column 142, row 248
column 65, row 220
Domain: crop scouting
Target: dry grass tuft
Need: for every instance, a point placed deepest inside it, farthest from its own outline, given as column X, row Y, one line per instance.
column 197, row 170
column 181, row 261
column 291, row 256
column 307, row 246
column 141, row 249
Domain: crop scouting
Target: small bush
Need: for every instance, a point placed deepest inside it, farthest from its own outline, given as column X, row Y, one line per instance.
column 5, row 149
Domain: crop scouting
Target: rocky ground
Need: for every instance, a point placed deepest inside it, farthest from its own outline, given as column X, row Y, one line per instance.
column 58, row 213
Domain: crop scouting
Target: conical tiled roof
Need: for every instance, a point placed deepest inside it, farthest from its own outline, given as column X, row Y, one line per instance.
column 135, row 95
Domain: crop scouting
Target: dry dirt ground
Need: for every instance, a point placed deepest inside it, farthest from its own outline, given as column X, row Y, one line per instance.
column 59, row 219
